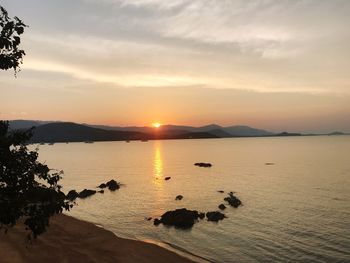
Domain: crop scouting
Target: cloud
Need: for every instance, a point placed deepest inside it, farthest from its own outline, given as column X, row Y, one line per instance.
column 132, row 80
column 271, row 29
column 262, row 45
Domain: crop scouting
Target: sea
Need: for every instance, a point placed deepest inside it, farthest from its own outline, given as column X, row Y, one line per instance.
column 295, row 193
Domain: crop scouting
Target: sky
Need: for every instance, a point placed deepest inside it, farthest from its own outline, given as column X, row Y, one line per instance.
column 277, row 65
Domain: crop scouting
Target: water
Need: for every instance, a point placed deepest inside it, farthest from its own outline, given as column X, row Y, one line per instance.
column 297, row 210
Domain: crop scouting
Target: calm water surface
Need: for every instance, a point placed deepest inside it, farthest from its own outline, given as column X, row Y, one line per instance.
column 297, row 210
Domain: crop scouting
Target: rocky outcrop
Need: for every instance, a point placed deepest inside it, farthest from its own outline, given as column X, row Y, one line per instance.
column 233, row 200
column 222, row 207
column 215, row 216
column 112, row 185
column 181, row 218
column 203, row 164
column 72, row 195
column 86, row 193
column 179, row 197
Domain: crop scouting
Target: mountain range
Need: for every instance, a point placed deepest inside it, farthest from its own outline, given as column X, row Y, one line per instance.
column 50, row 131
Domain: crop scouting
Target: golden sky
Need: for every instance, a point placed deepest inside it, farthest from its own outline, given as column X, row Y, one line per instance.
column 278, row 65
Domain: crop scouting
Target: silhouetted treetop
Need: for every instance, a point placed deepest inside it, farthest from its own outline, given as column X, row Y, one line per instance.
column 28, row 188
column 11, row 56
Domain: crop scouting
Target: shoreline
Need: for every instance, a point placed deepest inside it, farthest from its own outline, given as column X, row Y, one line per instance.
column 72, row 240
column 174, row 139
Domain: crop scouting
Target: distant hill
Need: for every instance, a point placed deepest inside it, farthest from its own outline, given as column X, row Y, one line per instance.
column 246, row 131
column 231, row 131
column 288, row 134
column 25, row 124
column 46, row 131
column 72, row 132
column 119, row 128
column 220, row 133
column 208, row 128
column 336, row 133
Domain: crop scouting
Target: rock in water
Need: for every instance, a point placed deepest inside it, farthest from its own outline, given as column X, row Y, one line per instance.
column 179, row 197
column 233, row 200
column 181, row 218
column 72, row 195
column 156, row 221
column 203, row 164
column 222, row 207
column 215, row 216
column 112, row 185
column 86, row 193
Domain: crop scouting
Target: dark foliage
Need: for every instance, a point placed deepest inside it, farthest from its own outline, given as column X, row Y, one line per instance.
column 29, row 190
column 11, row 56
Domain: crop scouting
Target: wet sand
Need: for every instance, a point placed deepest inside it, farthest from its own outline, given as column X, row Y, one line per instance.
column 72, row 240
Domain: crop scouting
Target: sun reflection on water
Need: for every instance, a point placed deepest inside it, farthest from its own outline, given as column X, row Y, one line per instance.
column 158, row 165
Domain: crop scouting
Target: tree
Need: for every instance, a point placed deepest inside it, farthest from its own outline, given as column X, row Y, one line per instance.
column 11, row 56
column 29, row 190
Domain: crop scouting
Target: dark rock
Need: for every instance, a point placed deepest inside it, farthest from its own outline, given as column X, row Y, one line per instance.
column 148, row 218
column 86, row 193
column 220, row 191
column 72, row 195
column 222, row 207
column 201, row 215
column 215, row 216
column 181, row 218
column 112, row 185
column 156, row 221
column 167, row 178
column 233, row 200
column 102, row 185
column 179, row 197
column 203, row 164
column 101, row 191
column 269, row 164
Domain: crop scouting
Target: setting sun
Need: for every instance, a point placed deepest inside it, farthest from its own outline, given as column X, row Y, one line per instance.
column 156, row 125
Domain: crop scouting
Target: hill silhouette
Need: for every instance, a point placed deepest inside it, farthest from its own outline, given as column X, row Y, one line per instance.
column 46, row 131
column 72, row 132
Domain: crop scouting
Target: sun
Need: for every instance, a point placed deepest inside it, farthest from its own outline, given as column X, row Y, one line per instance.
column 156, row 125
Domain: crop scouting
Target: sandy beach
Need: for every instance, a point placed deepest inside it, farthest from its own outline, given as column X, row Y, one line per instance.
column 72, row 240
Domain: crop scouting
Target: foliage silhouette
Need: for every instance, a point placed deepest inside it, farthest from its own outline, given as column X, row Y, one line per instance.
column 28, row 188
column 10, row 30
